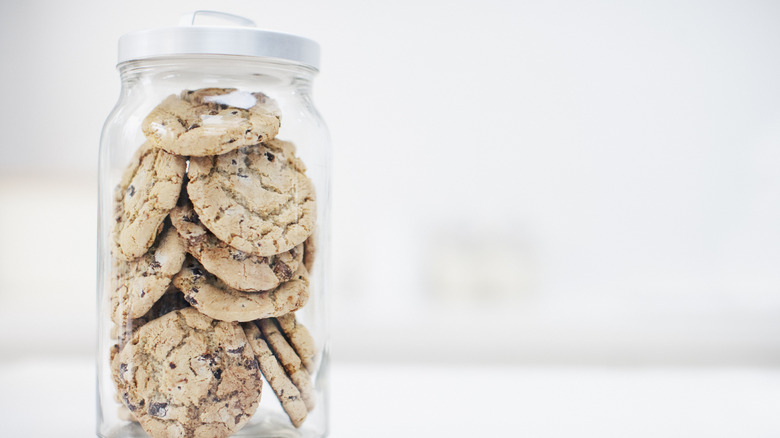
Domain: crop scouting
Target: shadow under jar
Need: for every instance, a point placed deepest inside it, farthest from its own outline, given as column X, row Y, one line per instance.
column 214, row 179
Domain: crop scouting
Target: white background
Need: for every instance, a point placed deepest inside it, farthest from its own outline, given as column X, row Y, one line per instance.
column 515, row 183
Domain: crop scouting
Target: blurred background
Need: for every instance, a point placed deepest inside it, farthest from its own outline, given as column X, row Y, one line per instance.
column 526, row 185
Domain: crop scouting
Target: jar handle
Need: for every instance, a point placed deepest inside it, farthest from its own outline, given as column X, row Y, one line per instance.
column 189, row 19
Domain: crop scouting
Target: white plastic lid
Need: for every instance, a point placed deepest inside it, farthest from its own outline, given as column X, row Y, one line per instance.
column 243, row 38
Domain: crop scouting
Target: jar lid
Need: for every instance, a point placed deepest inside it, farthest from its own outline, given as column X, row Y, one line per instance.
column 242, row 38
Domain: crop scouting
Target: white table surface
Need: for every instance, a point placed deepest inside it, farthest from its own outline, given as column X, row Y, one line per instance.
column 55, row 398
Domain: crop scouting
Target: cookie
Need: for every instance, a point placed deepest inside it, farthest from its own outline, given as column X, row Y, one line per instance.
column 123, row 413
column 113, row 360
column 299, row 338
column 237, row 269
column 139, row 283
column 289, row 360
column 214, row 298
column 256, row 199
column 170, row 301
column 287, row 393
column 185, row 374
column 211, row 121
column 114, row 367
column 310, row 251
column 148, row 190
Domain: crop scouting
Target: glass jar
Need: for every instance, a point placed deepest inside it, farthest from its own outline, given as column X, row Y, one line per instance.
column 214, row 179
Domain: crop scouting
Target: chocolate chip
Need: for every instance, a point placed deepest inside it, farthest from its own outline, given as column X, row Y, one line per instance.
column 222, row 106
column 155, row 264
column 190, row 300
column 282, row 271
column 234, row 112
column 238, row 418
column 172, row 365
column 131, row 191
column 209, row 359
column 270, row 156
column 231, row 140
column 217, row 373
column 239, row 255
column 158, row 410
column 238, row 350
column 233, row 162
column 129, row 405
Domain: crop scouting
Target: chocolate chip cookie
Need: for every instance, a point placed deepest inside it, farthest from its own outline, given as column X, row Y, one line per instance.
column 300, row 339
column 256, row 199
column 240, row 270
column 139, row 283
column 211, row 121
column 289, row 360
column 214, row 298
column 287, row 393
column 148, row 190
column 185, row 374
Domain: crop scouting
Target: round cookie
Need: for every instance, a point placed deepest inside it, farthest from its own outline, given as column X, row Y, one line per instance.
column 214, row 298
column 148, row 190
column 285, row 390
column 211, row 121
column 185, row 374
column 139, row 283
column 256, row 199
column 300, row 339
column 237, row 269
column 289, row 360
column 171, row 301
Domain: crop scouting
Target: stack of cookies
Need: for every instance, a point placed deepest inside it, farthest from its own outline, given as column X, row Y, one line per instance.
column 212, row 249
